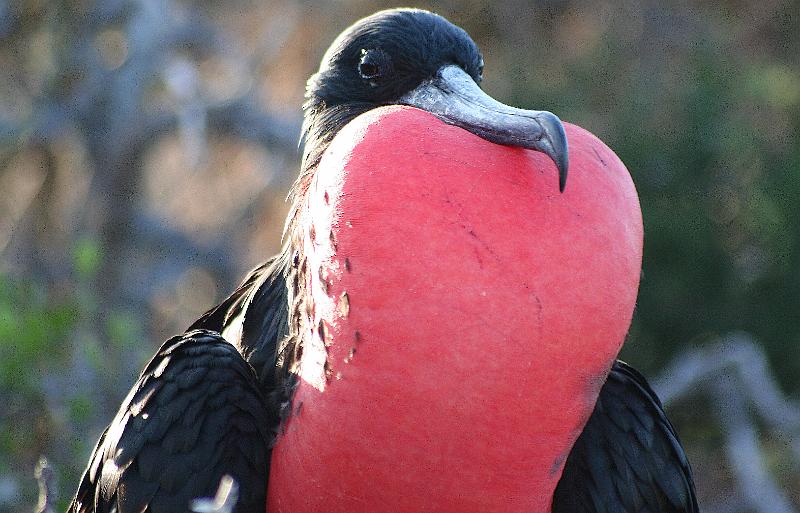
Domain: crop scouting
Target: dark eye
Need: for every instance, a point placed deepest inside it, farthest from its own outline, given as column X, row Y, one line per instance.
column 374, row 65
column 480, row 69
column 368, row 70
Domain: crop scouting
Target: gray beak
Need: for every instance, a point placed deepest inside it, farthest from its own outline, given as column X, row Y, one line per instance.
column 456, row 99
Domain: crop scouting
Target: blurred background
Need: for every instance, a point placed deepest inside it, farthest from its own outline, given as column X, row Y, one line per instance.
column 146, row 148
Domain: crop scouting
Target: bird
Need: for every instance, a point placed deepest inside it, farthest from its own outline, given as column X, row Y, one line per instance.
column 221, row 398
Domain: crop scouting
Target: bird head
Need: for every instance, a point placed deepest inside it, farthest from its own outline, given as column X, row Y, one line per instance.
column 417, row 58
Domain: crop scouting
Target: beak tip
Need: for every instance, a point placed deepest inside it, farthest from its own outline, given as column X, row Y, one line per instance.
column 555, row 145
column 562, row 175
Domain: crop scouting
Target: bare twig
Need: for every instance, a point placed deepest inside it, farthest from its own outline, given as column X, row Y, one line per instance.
column 737, row 355
column 223, row 502
column 46, row 477
column 735, row 374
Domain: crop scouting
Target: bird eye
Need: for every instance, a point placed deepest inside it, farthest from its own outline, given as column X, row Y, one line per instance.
column 374, row 64
column 368, row 70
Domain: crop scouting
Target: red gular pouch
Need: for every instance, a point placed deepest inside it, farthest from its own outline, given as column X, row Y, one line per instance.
column 465, row 316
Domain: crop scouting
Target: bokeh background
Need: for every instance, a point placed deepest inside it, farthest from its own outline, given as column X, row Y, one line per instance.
column 146, row 147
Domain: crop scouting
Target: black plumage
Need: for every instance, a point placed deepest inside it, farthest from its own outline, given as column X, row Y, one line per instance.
column 195, row 413
column 212, row 400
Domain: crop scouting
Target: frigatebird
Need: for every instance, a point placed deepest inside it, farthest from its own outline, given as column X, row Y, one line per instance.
column 218, row 398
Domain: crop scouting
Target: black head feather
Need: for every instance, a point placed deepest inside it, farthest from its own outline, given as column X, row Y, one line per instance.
column 376, row 61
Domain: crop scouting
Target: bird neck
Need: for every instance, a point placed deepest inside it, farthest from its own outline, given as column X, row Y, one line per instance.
column 321, row 122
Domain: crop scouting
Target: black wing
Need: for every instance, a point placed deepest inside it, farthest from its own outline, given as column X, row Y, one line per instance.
column 255, row 320
column 628, row 458
column 195, row 413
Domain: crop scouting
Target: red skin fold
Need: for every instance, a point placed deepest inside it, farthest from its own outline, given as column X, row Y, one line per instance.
column 470, row 312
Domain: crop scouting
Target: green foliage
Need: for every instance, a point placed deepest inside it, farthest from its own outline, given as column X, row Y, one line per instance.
column 721, row 243
column 46, row 338
column 32, row 330
column 87, row 257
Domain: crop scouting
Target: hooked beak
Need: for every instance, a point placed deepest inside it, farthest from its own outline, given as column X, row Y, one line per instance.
column 456, row 99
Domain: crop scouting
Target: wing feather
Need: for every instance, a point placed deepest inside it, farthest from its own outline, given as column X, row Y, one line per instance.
column 628, row 459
